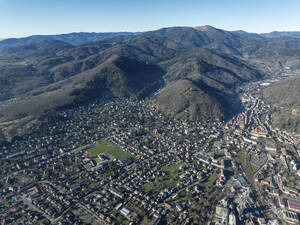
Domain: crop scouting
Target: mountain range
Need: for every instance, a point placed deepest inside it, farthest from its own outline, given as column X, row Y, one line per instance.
column 185, row 71
column 282, row 34
column 71, row 38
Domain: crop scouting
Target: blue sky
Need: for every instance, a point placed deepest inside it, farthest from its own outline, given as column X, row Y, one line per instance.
column 27, row 17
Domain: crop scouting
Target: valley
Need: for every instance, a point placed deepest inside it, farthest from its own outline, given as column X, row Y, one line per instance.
column 202, row 161
column 174, row 126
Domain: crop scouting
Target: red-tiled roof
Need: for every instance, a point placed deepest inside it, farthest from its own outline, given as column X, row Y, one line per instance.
column 295, row 205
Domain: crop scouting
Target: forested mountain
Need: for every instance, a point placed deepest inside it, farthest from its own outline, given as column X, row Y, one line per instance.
column 194, row 68
column 71, row 38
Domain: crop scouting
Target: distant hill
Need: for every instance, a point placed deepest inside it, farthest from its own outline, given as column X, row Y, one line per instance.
column 284, row 98
column 250, row 36
column 196, row 101
column 121, row 76
column 198, row 80
column 40, row 75
column 44, row 47
column 282, row 34
column 71, row 38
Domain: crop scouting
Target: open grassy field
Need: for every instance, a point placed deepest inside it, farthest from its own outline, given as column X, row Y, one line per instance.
column 41, row 221
column 7, row 62
column 160, row 183
column 11, row 122
column 168, row 181
column 209, row 183
column 111, row 149
column 171, row 169
column 254, row 168
column 248, row 168
column 148, row 187
column 182, row 196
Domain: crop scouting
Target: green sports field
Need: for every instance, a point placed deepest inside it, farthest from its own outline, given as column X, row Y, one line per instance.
column 111, row 149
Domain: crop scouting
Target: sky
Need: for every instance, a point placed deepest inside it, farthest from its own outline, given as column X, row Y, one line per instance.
column 19, row 18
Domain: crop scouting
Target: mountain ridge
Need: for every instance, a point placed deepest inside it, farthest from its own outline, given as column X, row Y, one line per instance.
column 74, row 38
column 282, row 34
column 209, row 60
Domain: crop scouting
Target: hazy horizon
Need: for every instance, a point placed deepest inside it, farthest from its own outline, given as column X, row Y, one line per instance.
column 3, row 38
